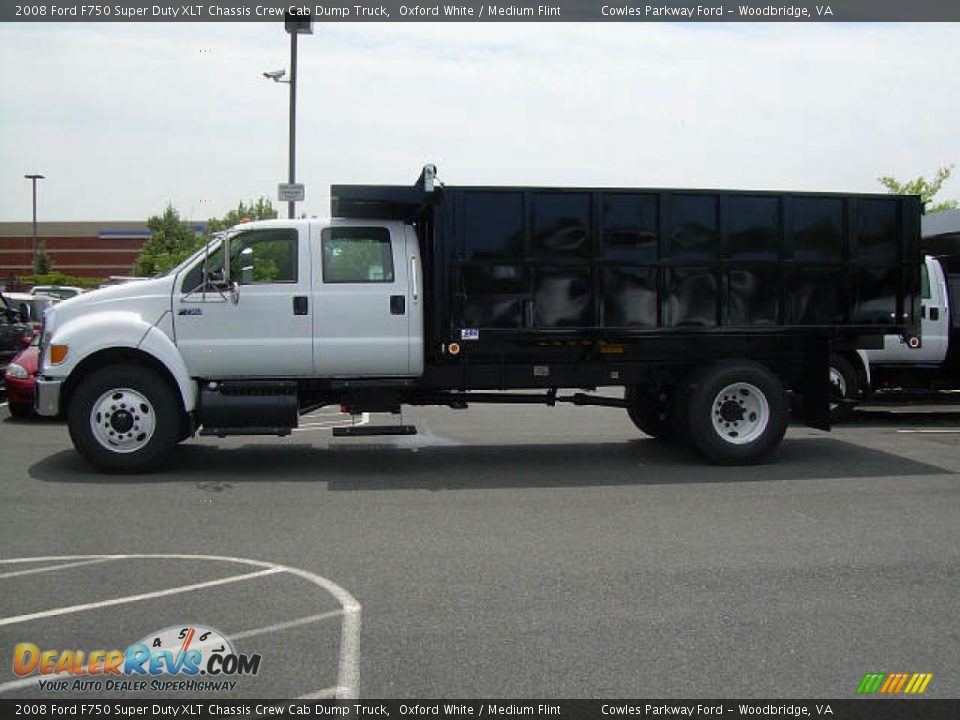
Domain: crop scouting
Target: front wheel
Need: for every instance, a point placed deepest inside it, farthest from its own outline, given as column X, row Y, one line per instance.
column 845, row 389
column 737, row 412
column 124, row 418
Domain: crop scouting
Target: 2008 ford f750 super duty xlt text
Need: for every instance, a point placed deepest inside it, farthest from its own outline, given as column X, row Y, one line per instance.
column 716, row 311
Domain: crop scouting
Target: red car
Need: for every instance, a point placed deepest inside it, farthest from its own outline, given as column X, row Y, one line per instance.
column 20, row 375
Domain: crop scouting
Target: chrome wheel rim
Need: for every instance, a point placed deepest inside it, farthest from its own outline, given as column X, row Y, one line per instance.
column 122, row 420
column 740, row 413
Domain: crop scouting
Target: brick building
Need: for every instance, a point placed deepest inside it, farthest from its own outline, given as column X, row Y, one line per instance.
column 88, row 249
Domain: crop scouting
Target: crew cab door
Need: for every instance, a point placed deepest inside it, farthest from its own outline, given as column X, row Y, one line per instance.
column 367, row 318
column 934, row 324
column 268, row 331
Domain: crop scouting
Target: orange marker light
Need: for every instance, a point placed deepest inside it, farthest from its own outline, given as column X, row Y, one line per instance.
column 454, row 348
column 58, row 353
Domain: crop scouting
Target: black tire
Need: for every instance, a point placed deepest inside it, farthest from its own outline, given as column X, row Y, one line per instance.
column 21, row 412
column 648, row 413
column 845, row 388
column 162, row 405
column 750, row 407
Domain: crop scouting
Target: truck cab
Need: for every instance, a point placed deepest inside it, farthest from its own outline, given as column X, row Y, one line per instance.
column 230, row 339
column 303, row 299
column 935, row 324
column 928, row 361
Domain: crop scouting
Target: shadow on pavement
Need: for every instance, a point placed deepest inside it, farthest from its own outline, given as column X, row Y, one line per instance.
column 381, row 466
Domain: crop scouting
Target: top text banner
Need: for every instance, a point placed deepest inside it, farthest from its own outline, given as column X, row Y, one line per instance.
column 477, row 11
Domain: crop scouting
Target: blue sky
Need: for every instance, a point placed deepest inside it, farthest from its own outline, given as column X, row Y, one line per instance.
column 124, row 118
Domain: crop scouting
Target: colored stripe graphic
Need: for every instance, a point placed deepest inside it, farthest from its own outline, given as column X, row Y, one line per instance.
column 871, row 682
column 894, row 683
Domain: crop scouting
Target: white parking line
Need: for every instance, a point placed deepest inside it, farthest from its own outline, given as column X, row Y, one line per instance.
column 51, row 568
column 285, row 625
column 333, row 692
column 133, row 598
column 27, row 682
column 348, row 666
column 47, row 558
column 944, row 431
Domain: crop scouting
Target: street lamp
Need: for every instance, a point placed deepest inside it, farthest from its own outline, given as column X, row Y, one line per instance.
column 295, row 24
column 33, row 179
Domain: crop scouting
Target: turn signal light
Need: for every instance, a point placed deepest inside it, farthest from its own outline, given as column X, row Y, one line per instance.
column 58, row 353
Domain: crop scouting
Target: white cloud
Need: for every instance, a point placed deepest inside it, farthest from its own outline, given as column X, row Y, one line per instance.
column 123, row 118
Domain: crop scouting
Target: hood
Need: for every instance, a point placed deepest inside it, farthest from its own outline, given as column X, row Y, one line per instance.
column 148, row 298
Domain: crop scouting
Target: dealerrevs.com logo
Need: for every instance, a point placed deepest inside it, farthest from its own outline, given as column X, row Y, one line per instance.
column 187, row 658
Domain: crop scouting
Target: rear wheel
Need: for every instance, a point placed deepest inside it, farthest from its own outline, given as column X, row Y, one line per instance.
column 737, row 412
column 649, row 413
column 124, row 418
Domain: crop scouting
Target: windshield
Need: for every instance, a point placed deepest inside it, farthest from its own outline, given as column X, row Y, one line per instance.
column 211, row 247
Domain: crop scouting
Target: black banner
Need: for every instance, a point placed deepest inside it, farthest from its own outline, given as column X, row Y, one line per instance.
column 859, row 709
column 485, row 11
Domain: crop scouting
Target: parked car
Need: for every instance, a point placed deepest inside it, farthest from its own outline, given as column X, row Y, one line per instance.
column 61, row 292
column 20, row 376
column 15, row 330
column 31, row 307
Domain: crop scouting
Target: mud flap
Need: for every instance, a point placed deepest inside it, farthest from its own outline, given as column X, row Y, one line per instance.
column 816, row 383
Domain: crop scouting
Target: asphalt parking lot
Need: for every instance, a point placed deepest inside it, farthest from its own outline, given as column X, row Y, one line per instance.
column 502, row 552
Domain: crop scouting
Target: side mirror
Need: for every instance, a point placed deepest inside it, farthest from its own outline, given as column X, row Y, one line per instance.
column 246, row 266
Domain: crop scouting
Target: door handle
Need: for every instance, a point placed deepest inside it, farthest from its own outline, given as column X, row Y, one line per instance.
column 299, row 305
column 398, row 305
column 413, row 279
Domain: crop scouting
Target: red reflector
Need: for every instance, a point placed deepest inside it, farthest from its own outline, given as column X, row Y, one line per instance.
column 344, row 409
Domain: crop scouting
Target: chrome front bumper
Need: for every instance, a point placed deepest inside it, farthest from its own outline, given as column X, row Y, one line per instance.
column 46, row 399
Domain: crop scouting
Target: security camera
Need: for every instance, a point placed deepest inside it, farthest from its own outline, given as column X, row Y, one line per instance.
column 275, row 75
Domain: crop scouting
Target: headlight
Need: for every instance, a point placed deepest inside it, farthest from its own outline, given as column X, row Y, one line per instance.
column 17, row 371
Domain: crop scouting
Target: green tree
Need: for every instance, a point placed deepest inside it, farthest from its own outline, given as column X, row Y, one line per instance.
column 259, row 209
column 171, row 241
column 42, row 264
column 926, row 189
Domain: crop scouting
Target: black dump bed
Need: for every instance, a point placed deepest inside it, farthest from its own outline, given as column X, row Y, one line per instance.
column 510, row 266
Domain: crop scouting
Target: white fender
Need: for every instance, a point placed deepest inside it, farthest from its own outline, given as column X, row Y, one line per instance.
column 160, row 346
column 85, row 335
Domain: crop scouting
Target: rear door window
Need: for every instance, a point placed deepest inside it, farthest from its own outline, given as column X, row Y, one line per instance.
column 357, row 255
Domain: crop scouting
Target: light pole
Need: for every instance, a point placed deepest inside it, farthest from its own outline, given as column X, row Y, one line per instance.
column 295, row 25
column 33, row 179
